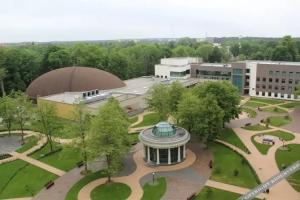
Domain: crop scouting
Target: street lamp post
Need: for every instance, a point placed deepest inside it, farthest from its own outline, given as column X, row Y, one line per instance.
column 153, row 177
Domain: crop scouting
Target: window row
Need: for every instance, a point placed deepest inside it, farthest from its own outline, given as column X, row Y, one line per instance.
column 277, row 80
column 276, row 87
column 269, row 94
column 284, row 74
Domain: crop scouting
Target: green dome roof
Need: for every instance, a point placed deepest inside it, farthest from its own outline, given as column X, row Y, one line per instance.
column 163, row 129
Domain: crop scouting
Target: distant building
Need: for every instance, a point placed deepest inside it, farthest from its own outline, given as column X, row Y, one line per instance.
column 268, row 79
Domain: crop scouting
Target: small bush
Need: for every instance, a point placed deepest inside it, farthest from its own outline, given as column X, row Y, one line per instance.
column 236, row 172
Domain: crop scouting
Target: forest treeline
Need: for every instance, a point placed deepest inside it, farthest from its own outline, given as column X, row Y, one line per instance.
column 129, row 59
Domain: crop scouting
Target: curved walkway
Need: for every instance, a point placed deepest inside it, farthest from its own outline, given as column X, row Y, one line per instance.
column 132, row 180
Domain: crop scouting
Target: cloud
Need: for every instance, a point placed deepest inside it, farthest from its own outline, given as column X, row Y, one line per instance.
column 51, row 20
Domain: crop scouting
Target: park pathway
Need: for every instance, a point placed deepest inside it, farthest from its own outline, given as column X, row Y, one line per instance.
column 38, row 164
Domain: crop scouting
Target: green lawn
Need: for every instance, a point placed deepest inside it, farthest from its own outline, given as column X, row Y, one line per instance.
column 262, row 148
column 226, row 161
column 291, row 105
column 150, row 119
column 29, row 143
column 267, row 101
column 111, row 191
column 65, row 159
column 281, row 134
column 228, row 135
column 274, row 110
column 133, row 119
column 254, row 104
column 256, row 127
column 73, row 192
column 287, row 158
column 209, row 193
column 20, row 179
column 155, row 192
column 251, row 113
column 279, row 120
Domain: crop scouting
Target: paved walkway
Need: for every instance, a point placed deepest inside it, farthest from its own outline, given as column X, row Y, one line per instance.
column 294, row 125
column 38, row 164
column 132, row 180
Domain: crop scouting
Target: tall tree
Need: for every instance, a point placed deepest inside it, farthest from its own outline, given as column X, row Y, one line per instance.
column 80, row 127
column 158, row 100
column 108, row 136
column 183, row 51
column 23, row 111
column 3, row 73
column 47, row 121
column 204, row 51
column 175, row 94
column 226, row 95
column 7, row 111
column 215, row 56
column 235, row 49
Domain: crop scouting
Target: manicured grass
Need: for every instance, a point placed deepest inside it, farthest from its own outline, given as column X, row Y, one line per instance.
column 228, row 135
column 251, row 113
column 267, row 101
column 20, row 179
column 290, row 105
column 133, row 119
column 256, row 127
column 274, row 110
column 209, row 193
column 111, row 191
column 262, row 148
column 226, row 161
column 73, row 192
column 281, row 134
column 155, row 192
column 150, row 119
column 65, row 159
column 285, row 158
column 134, row 138
column 29, row 143
column 254, row 104
column 279, row 120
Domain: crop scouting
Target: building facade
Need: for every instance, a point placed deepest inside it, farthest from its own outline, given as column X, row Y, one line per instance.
column 268, row 79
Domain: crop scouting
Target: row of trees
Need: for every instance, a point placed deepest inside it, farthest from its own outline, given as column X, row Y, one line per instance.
column 202, row 110
column 105, row 134
column 19, row 65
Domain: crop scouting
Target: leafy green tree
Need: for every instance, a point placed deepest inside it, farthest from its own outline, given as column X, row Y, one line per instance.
column 210, row 118
column 182, row 51
column 235, row 49
column 3, row 74
column 158, row 100
column 59, row 58
column 109, row 136
column 188, row 111
column 7, row 112
column 290, row 44
column 47, row 121
column 23, row 111
column 176, row 91
column 215, row 56
column 281, row 53
column 204, row 51
column 80, row 128
column 226, row 95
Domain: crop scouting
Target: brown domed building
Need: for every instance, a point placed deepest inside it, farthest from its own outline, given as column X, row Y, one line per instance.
column 72, row 79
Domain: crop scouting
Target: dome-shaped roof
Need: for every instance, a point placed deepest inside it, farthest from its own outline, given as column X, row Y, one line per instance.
column 72, row 79
column 163, row 129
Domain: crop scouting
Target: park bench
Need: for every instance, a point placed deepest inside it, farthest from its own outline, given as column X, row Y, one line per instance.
column 248, row 124
column 49, row 184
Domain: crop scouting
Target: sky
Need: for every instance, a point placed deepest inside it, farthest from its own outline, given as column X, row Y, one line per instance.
column 69, row 20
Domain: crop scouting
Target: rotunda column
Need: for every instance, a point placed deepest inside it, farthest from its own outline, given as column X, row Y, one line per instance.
column 184, row 151
column 157, row 156
column 148, row 153
column 169, row 156
column 178, row 156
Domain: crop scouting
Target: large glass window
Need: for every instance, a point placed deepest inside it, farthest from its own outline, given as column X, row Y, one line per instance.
column 163, row 156
column 153, row 155
column 237, row 79
column 177, row 74
column 174, row 155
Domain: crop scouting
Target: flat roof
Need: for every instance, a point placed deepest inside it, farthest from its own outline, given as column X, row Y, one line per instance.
column 269, row 62
column 135, row 86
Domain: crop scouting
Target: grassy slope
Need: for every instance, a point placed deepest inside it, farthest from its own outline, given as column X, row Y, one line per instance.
column 267, row 101
column 228, row 135
column 254, row 104
column 73, row 192
column 256, row 127
column 112, row 191
column 291, row 105
column 29, row 143
column 288, row 157
column 279, row 120
column 28, row 179
column 281, row 134
column 149, row 120
column 262, row 148
column 155, row 192
column 274, row 110
column 225, row 162
column 249, row 111
column 65, row 159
